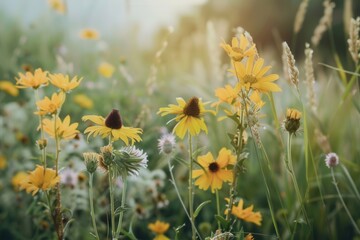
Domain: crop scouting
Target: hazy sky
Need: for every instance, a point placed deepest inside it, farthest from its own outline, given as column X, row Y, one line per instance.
column 105, row 15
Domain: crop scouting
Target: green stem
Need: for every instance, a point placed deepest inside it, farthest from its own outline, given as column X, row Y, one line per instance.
column 353, row 185
column 179, row 196
column 57, row 146
column 191, row 197
column 43, row 151
column 343, row 203
column 91, row 199
column 121, row 215
column 218, row 207
column 290, row 168
column 112, row 207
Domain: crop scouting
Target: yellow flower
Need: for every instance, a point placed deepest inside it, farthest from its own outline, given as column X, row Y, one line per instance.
column 58, row 5
column 35, row 80
column 40, row 179
column 239, row 49
column 159, row 227
column 214, row 173
column 63, row 82
column 3, row 162
column 189, row 116
column 251, row 76
column 112, row 126
column 50, row 106
column 228, row 94
column 17, row 180
column 292, row 121
column 292, row 113
column 255, row 97
column 249, row 237
column 106, row 69
column 246, row 214
column 9, row 88
column 64, row 130
column 89, row 33
column 83, row 101
column 161, row 237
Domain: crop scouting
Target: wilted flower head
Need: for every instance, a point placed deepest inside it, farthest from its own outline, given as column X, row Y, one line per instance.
column 129, row 160
column 331, row 160
column 166, row 143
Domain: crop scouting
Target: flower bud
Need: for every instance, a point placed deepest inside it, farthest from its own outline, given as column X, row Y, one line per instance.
column 107, row 155
column 292, row 122
column 91, row 161
column 41, row 143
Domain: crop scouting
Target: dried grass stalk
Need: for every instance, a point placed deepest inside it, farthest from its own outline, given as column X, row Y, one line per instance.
column 325, row 22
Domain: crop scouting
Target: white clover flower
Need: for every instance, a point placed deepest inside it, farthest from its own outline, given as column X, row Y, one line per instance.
column 331, row 160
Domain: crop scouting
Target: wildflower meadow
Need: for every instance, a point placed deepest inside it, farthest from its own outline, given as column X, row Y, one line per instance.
column 182, row 120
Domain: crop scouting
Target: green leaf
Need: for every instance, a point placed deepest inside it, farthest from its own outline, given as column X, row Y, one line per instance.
column 224, row 223
column 129, row 235
column 198, row 209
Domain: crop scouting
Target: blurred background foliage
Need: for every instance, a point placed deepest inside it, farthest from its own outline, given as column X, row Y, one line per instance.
column 152, row 67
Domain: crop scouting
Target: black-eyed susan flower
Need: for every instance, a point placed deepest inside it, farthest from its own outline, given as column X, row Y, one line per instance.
column 189, row 116
column 112, row 126
column 89, row 33
column 292, row 122
column 252, row 76
column 50, row 105
column 40, row 179
column 9, row 88
column 246, row 214
column 106, row 69
column 32, row 80
column 214, row 172
column 159, row 228
column 83, row 101
column 17, row 179
column 64, row 130
column 63, row 82
column 239, row 49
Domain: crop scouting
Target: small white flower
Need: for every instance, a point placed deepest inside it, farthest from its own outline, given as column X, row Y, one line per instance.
column 166, row 143
column 331, row 160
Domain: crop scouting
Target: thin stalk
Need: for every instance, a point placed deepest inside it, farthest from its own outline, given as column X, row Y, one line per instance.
column 218, row 207
column 121, row 216
column 290, row 168
column 353, row 185
column 343, row 203
column 112, row 206
column 91, row 199
column 191, row 197
column 179, row 196
column 57, row 152
column 42, row 137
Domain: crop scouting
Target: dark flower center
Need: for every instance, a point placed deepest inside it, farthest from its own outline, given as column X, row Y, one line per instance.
column 113, row 120
column 192, row 107
column 214, row 167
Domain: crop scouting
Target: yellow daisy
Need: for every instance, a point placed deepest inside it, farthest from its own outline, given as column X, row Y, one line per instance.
column 50, row 106
column 36, row 80
column 246, row 214
column 239, row 49
column 293, row 114
column 159, row 227
column 9, row 88
column 214, row 173
column 17, row 180
column 83, row 101
column 58, row 5
column 252, row 76
column 189, row 116
column 228, row 94
column 3, row 162
column 112, row 126
column 89, row 33
column 64, row 130
column 106, row 69
column 63, row 82
column 40, row 179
